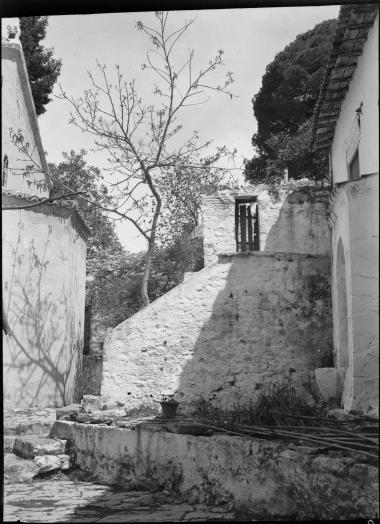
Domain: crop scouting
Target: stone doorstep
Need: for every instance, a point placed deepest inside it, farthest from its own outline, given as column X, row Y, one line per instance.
column 30, row 446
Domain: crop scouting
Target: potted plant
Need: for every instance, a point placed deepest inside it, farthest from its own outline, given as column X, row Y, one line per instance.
column 169, row 406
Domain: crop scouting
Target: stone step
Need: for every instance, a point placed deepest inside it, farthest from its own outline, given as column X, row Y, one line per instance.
column 30, row 446
column 47, row 463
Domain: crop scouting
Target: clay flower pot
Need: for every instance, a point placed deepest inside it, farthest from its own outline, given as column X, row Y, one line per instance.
column 169, row 406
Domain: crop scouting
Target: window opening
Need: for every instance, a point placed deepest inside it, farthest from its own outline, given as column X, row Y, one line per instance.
column 247, row 224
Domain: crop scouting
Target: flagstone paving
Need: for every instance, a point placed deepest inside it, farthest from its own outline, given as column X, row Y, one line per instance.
column 60, row 499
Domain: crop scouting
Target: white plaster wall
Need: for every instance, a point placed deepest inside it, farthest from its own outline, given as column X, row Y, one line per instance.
column 224, row 332
column 294, row 220
column 44, row 295
column 357, row 216
column 15, row 116
column 341, row 230
column 364, row 88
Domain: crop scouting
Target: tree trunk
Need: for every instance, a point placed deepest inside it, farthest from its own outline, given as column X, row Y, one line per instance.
column 149, row 254
column 144, row 283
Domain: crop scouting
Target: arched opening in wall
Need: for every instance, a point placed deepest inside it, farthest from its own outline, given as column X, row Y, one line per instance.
column 247, row 231
column 342, row 349
column 4, row 177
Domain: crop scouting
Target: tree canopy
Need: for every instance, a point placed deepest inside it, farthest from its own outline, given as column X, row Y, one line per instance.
column 43, row 69
column 144, row 140
column 75, row 174
column 284, row 108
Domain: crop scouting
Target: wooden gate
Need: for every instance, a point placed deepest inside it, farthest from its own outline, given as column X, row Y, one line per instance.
column 247, row 224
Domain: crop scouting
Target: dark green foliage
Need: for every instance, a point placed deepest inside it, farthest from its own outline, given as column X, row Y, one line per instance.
column 43, row 69
column 118, row 281
column 284, row 109
column 74, row 175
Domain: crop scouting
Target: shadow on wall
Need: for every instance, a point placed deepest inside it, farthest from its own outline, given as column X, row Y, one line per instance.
column 234, row 326
column 41, row 354
column 302, row 224
column 271, row 319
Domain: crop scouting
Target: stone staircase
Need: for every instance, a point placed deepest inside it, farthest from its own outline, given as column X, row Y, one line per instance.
column 28, row 449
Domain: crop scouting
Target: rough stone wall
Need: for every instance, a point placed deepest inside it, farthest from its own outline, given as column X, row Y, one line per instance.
column 266, row 478
column 292, row 220
column 43, row 296
column 355, row 219
column 224, row 332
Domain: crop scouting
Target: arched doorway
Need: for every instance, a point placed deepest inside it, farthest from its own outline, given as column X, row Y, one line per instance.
column 342, row 342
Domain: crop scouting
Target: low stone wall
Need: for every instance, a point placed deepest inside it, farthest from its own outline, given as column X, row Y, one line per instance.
column 264, row 478
column 224, row 332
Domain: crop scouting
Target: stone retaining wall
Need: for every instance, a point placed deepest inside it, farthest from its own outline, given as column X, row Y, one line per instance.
column 265, row 478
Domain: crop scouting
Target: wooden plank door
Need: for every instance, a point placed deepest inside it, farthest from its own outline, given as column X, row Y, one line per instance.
column 247, row 224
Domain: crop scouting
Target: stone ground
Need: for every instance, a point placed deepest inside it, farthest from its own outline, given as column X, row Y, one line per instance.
column 62, row 498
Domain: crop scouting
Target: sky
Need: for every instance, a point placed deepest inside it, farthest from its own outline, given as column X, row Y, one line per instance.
column 250, row 39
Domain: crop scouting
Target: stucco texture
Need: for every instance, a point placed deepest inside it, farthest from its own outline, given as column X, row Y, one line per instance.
column 355, row 218
column 224, row 332
column 265, row 478
column 43, row 296
column 291, row 220
column 18, row 113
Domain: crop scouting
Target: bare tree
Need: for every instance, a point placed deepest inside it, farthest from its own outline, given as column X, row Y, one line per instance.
column 142, row 140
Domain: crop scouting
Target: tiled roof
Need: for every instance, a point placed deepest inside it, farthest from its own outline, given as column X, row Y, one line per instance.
column 354, row 23
column 34, row 199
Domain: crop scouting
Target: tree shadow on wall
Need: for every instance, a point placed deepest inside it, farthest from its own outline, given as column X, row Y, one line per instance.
column 43, row 346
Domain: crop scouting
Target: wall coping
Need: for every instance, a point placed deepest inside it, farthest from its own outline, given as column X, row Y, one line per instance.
column 225, row 257
column 349, row 182
column 63, row 208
